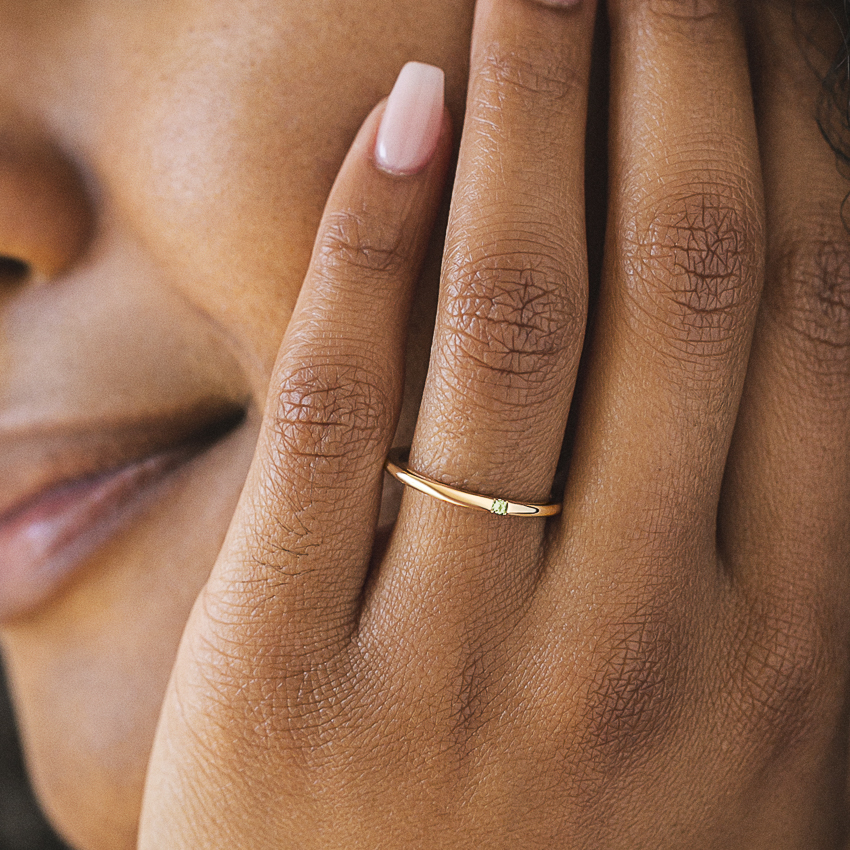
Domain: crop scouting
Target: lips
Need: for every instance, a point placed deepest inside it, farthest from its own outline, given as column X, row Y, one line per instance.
column 65, row 492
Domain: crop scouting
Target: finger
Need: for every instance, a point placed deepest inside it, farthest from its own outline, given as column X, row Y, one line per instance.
column 282, row 599
column 683, row 275
column 508, row 334
column 512, row 307
column 787, row 493
column 294, row 562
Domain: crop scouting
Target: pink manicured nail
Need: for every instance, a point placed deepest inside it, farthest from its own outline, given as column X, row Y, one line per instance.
column 410, row 128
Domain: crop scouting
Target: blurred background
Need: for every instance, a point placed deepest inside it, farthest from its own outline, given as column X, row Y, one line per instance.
column 21, row 825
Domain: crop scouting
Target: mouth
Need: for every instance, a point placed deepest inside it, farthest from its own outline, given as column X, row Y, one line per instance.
column 69, row 491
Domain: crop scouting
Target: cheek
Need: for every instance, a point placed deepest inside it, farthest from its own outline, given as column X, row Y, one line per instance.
column 226, row 135
column 223, row 162
column 211, row 176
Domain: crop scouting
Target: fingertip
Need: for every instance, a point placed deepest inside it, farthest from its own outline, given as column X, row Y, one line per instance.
column 413, row 120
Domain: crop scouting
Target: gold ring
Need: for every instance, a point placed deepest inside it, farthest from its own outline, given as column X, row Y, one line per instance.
column 396, row 465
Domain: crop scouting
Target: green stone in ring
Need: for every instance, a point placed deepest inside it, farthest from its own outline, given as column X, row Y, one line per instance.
column 500, row 507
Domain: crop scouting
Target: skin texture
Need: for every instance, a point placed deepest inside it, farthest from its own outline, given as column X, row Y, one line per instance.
column 201, row 164
column 666, row 665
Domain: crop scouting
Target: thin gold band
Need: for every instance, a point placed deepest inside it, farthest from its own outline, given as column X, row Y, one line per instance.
column 396, row 465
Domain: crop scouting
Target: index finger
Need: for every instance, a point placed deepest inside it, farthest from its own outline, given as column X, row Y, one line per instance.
column 303, row 532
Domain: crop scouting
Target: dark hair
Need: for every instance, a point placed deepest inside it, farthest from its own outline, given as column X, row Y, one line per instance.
column 833, row 110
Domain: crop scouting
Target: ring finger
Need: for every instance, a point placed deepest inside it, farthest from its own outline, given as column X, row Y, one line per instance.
column 511, row 315
column 513, row 300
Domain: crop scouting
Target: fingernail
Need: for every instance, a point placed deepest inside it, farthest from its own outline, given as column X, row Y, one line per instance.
column 410, row 128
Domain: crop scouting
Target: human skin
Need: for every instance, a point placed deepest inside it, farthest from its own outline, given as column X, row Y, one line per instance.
column 664, row 666
column 205, row 163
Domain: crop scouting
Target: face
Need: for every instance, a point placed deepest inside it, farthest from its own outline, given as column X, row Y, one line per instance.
column 163, row 167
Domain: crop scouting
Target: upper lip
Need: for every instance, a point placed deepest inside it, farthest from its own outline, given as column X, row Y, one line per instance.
column 42, row 458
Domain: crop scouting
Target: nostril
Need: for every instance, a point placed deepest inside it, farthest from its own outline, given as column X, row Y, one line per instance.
column 13, row 271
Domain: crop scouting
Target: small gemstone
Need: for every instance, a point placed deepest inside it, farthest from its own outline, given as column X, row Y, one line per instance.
column 500, row 507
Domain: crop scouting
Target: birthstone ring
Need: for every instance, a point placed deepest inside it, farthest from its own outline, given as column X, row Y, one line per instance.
column 397, row 466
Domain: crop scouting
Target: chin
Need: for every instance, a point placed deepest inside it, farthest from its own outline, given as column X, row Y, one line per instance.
column 87, row 761
column 87, row 824
column 88, row 668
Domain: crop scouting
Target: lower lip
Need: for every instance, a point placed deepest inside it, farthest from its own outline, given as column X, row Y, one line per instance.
column 44, row 542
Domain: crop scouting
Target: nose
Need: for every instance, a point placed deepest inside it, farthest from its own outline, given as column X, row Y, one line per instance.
column 45, row 215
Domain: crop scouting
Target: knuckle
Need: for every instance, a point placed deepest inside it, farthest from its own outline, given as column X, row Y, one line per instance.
column 685, row 11
column 532, row 75
column 363, row 242
column 511, row 320
column 694, row 262
column 471, row 698
column 636, row 693
column 695, row 20
column 812, row 280
column 305, row 706
column 288, row 702
column 331, row 413
column 788, row 670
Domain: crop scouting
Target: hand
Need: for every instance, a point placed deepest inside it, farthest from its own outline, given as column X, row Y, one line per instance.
column 664, row 665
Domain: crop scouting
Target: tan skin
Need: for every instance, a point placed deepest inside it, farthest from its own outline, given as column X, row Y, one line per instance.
column 666, row 664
